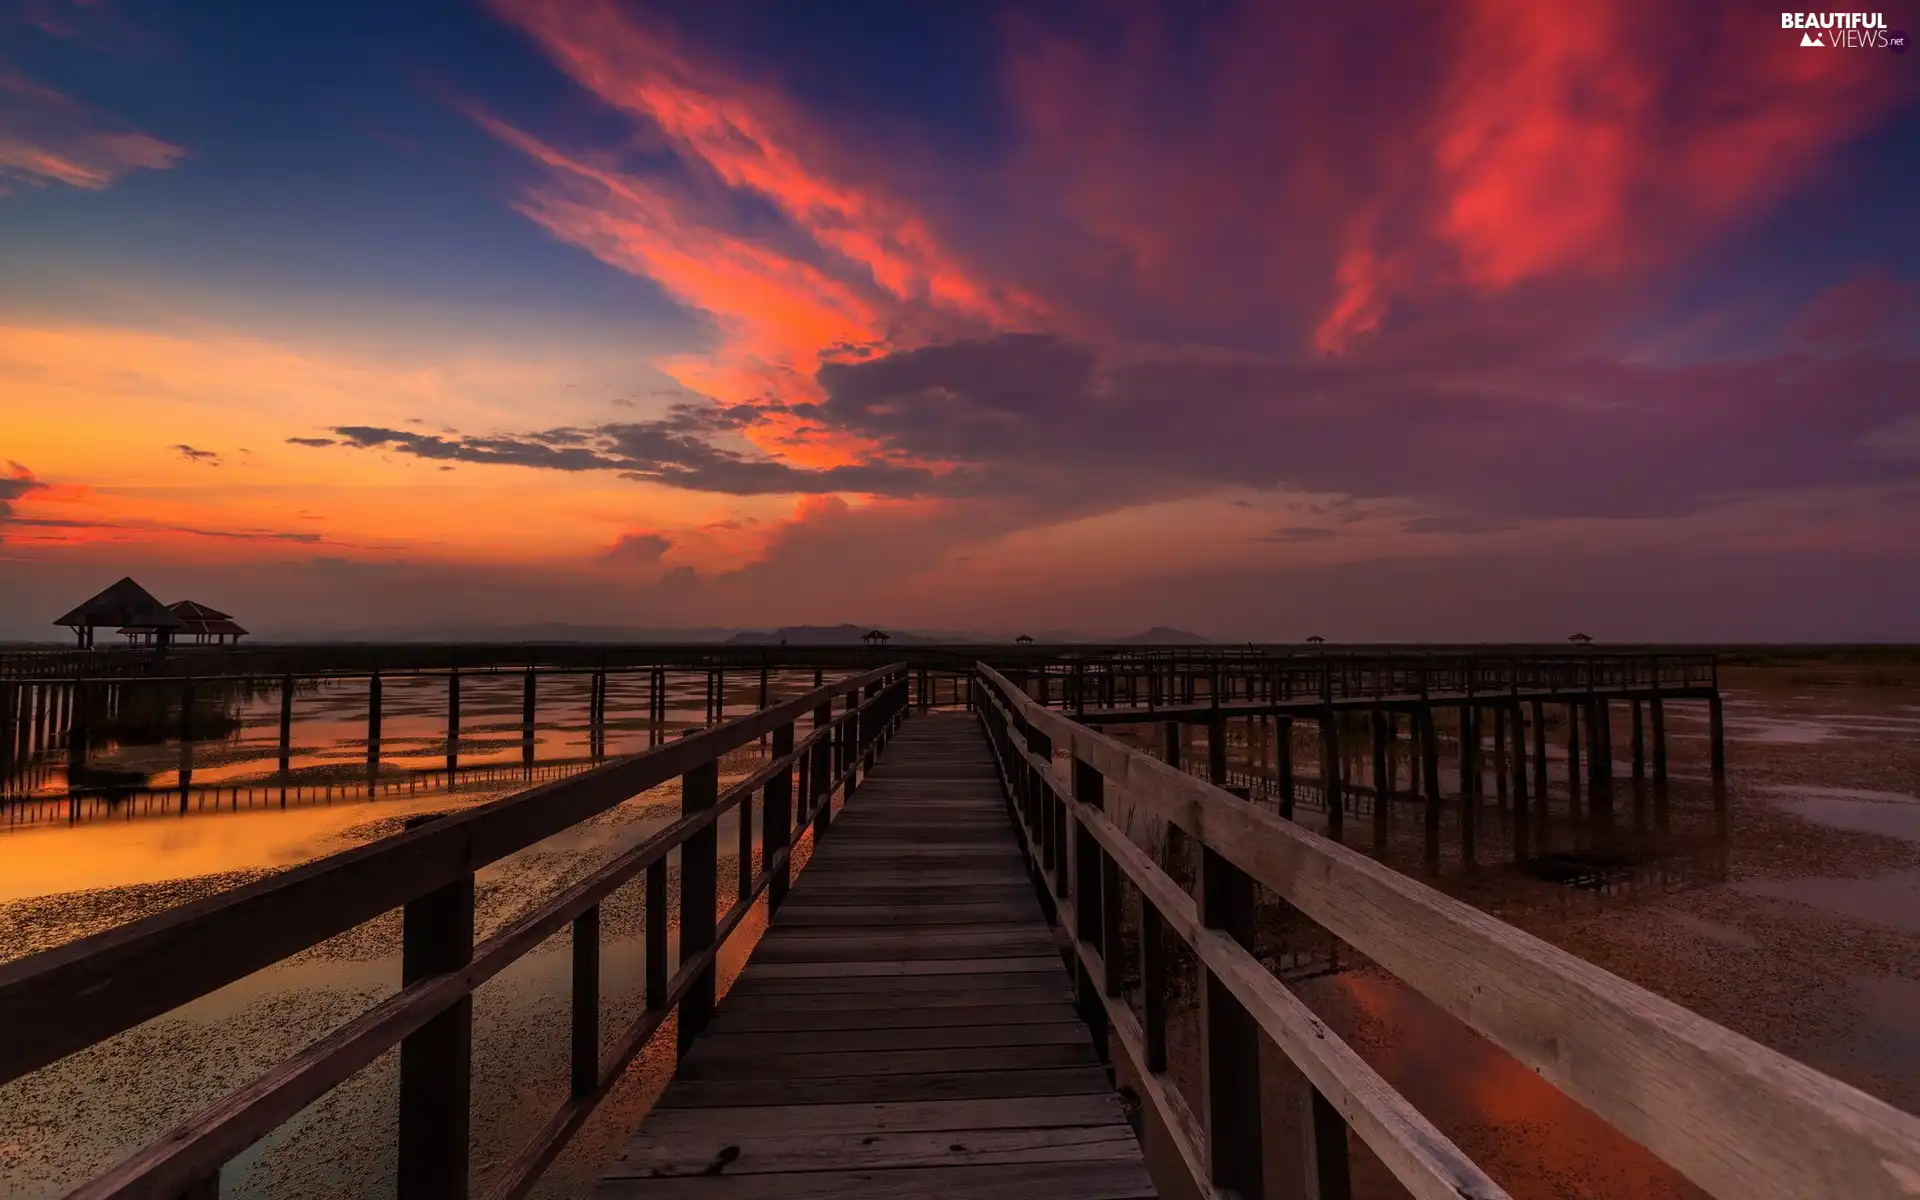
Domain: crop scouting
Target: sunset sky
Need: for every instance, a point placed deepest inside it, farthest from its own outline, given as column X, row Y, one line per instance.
column 1480, row 319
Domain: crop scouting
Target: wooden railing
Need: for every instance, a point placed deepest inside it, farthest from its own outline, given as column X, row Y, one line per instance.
column 1741, row 1121
column 1156, row 679
column 63, row 1000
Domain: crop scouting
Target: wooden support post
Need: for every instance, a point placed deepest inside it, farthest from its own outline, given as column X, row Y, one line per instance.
column 1170, row 743
column 1717, row 751
column 1600, row 755
column 1330, row 774
column 453, row 724
column 1382, row 780
column 586, row 1003
column 776, row 821
column 1573, row 758
column 529, row 702
column 1499, row 712
column 699, row 899
column 825, row 758
column 286, row 724
column 654, row 946
column 1517, row 724
column 1430, row 776
column 1229, row 1040
column 1154, row 985
column 186, row 742
column 719, row 694
column 743, row 851
column 1639, row 741
column 1472, row 782
column 1540, row 756
column 1217, row 750
column 1328, row 1176
column 373, row 726
column 1283, row 763
column 1089, row 893
column 436, row 1060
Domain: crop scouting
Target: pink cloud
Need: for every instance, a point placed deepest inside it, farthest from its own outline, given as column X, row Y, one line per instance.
column 47, row 138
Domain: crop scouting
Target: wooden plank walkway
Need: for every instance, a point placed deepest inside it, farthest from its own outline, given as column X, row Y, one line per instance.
column 905, row 1028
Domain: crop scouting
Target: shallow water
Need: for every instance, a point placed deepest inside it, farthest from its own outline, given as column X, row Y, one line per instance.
column 1795, row 920
column 74, row 862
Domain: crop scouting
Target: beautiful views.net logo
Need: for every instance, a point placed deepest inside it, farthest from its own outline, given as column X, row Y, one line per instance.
column 1845, row 31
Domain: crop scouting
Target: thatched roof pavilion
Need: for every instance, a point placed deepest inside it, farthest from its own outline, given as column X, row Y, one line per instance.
column 199, row 623
column 124, row 606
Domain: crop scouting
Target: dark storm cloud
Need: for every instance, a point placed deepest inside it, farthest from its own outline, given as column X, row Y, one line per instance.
column 1481, row 430
column 679, row 449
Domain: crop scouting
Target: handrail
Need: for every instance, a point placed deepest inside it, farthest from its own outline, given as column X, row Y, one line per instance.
column 1738, row 1119
column 64, row 999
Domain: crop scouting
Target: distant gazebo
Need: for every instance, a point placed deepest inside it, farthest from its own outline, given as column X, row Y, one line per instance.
column 1023, row 640
column 124, row 606
column 875, row 637
column 199, row 624
column 1315, row 640
column 1581, row 639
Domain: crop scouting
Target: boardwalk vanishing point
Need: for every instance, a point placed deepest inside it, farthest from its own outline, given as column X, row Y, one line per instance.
column 906, row 1026
column 1001, row 912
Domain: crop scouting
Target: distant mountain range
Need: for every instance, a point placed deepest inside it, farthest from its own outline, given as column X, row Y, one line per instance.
column 793, row 635
column 852, row 635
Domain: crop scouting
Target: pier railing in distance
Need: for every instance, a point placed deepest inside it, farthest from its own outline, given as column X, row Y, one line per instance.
column 1740, row 1120
column 65, row 999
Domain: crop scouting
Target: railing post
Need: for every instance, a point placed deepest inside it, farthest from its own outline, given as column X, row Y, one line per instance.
column 699, row 878
column 825, row 756
column 1283, row 762
column 1154, row 985
column 436, row 1060
column 1216, row 744
column 286, row 724
column 655, row 945
column 586, row 1003
column 1382, row 780
column 1330, row 773
column 776, row 821
column 1229, row 1039
column 1089, row 892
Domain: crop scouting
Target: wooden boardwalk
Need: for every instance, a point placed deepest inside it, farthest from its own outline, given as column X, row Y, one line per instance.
column 905, row 1028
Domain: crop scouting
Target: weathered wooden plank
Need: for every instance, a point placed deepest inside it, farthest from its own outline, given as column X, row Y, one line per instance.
column 877, row 946
column 722, row 1042
column 1021, row 1181
column 928, row 999
column 828, row 1120
column 745, row 1150
column 876, row 1063
column 873, row 1089
column 1037, row 964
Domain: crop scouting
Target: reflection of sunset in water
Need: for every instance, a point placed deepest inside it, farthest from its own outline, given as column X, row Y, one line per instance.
column 43, row 860
column 1521, row 1129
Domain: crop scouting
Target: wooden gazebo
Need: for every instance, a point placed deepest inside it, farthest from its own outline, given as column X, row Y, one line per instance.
column 124, row 606
column 199, row 624
column 1023, row 640
column 1581, row 639
column 875, row 637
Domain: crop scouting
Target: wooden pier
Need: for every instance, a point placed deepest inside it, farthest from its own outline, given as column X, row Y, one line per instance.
column 1002, row 911
column 905, row 1027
